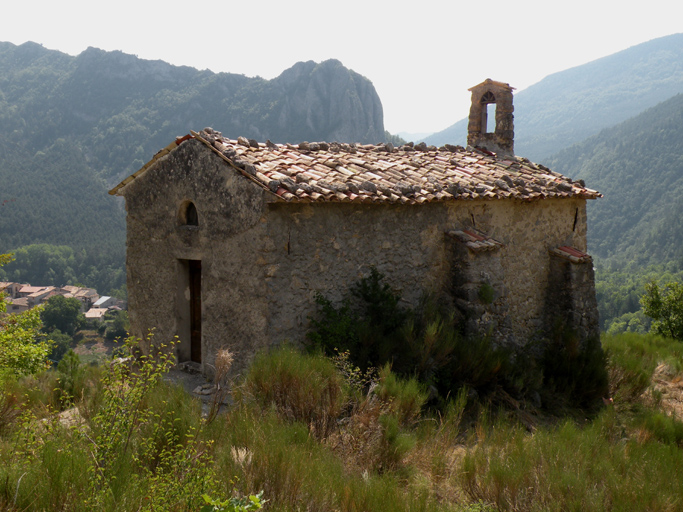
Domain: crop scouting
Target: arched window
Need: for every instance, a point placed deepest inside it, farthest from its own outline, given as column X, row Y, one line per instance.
column 188, row 214
column 488, row 123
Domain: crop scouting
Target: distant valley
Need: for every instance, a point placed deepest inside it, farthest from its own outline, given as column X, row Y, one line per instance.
column 638, row 166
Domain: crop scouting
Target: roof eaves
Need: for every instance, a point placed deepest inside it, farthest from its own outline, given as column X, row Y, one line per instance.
column 572, row 254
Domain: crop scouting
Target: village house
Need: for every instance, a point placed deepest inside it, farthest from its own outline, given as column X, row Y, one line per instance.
column 36, row 295
column 22, row 297
column 229, row 241
column 104, row 302
column 87, row 296
column 11, row 290
column 96, row 314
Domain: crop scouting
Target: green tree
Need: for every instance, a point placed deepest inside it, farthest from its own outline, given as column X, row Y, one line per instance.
column 61, row 344
column 62, row 313
column 22, row 351
column 665, row 307
column 119, row 325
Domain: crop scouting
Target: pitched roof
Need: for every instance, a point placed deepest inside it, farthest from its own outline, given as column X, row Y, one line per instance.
column 324, row 172
column 30, row 290
column 95, row 313
column 101, row 300
column 488, row 81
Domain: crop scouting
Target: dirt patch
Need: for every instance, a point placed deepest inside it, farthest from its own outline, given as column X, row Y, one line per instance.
column 670, row 385
column 93, row 348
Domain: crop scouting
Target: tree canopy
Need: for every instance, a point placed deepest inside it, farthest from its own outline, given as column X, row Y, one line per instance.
column 62, row 313
column 22, row 349
column 665, row 306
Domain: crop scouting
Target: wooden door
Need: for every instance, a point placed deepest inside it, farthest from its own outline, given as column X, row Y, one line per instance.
column 195, row 310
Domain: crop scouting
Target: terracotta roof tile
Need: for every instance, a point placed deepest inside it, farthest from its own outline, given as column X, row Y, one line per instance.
column 572, row 254
column 475, row 240
column 311, row 172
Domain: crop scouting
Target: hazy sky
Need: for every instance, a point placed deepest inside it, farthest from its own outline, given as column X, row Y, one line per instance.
column 421, row 56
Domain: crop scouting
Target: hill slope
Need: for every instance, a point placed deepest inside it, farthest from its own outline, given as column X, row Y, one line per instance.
column 72, row 126
column 569, row 106
column 638, row 166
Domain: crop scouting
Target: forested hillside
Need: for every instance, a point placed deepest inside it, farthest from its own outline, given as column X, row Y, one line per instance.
column 123, row 109
column 638, row 166
column 566, row 107
column 70, row 127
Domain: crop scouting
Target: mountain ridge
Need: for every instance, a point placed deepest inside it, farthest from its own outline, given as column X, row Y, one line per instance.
column 570, row 105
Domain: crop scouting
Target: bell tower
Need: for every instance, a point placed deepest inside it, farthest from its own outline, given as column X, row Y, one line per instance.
column 501, row 139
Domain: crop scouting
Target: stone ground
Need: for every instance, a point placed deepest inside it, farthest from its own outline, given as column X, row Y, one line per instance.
column 94, row 348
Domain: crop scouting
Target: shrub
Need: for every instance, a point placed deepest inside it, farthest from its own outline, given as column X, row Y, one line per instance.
column 335, row 327
column 9, row 410
column 570, row 467
column 427, row 343
column 431, row 338
column 575, row 370
column 395, row 443
column 475, row 363
column 70, row 375
column 367, row 324
column 302, row 387
column 666, row 429
column 631, row 365
column 61, row 344
column 405, row 397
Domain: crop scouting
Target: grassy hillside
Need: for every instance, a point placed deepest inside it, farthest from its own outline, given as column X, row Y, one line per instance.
column 566, row 107
column 308, row 433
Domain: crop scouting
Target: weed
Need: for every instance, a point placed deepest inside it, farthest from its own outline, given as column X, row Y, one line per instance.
column 404, row 398
column 304, row 388
column 358, row 380
column 486, row 293
column 236, row 504
column 223, row 363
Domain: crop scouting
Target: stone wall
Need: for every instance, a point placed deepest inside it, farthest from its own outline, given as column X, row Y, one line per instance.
column 571, row 304
column 263, row 260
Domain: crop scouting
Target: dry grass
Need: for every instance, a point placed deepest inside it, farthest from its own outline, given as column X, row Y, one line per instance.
column 299, row 432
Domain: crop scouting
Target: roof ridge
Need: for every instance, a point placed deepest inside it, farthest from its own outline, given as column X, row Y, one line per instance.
column 415, row 174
